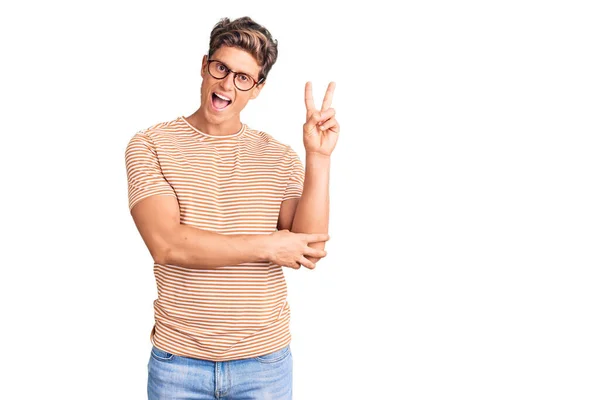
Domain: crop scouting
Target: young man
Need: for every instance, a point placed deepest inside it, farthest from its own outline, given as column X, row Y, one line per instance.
column 222, row 208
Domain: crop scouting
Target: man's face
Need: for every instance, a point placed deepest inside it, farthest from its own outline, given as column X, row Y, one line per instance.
column 214, row 91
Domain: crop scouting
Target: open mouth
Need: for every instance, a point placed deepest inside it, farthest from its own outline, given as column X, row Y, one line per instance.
column 220, row 102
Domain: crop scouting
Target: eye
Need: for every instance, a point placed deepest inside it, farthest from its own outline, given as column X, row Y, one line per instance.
column 221, row 67
column 243, row 78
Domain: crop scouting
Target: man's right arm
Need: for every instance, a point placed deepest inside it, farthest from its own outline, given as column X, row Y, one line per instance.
column 169, row 242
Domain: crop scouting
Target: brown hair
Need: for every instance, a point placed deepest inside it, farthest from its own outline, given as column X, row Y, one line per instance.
column 245, row 34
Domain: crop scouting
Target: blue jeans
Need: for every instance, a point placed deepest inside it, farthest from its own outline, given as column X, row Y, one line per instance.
column 176, row 377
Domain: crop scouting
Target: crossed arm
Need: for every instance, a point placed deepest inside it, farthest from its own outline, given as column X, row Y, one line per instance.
column 170, row 242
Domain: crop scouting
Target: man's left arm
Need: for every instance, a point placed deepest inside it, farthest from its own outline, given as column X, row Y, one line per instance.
column 310, row 213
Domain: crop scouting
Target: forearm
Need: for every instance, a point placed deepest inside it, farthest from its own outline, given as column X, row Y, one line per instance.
column 312, row 213
column 194, row 248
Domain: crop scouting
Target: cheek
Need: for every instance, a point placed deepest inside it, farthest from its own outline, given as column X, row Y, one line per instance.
column 203, row 87
column 241, row 101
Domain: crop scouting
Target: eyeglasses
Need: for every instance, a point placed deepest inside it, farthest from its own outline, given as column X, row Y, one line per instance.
column 242, row 81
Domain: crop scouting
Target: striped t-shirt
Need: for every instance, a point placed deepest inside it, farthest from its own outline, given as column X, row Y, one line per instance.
column 230, row 184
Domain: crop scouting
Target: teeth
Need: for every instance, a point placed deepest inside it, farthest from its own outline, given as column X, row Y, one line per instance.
column 222, row 97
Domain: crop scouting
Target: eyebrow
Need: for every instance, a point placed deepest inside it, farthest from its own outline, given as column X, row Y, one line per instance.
column 239, row 72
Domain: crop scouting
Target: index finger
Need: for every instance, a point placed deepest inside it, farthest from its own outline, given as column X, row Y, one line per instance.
column 317, row 237
column 308, row 97
column 328, row 96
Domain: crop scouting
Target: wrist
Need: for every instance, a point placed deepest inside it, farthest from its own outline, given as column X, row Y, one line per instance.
column 317, row 161
column 261, row 245
column 317, row 155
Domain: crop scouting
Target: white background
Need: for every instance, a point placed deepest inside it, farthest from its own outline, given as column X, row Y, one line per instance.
column 465, row 193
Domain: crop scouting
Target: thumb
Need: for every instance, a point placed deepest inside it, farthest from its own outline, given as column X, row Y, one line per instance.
column 313, row 121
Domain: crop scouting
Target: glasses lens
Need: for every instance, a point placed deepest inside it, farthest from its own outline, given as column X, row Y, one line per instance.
column 217, row 69
column 243, row 82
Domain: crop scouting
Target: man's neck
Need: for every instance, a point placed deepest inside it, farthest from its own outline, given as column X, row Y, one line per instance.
column 199, row 121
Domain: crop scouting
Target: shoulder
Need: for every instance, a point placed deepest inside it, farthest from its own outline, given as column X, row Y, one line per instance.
column 169, row 128
column 154, row 133
column 266, row 140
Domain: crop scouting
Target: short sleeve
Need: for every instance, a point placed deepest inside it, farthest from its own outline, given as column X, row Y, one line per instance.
column 295, row 183
column 144, row 175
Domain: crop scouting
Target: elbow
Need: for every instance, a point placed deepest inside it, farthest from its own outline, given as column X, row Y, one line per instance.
column 314, row 260
column 162, row 254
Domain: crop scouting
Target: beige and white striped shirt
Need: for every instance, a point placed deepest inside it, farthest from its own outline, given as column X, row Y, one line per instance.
column 230, row 185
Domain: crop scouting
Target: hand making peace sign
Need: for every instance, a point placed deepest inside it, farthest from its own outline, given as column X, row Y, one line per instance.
column 321, row 129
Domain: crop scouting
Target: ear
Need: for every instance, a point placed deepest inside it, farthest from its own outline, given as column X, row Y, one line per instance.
column 256, row 90
column 204, row 66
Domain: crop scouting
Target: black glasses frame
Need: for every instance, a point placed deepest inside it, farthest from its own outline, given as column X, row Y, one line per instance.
column 235, row 74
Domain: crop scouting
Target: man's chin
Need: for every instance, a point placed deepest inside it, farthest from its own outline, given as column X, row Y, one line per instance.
column 217, row 117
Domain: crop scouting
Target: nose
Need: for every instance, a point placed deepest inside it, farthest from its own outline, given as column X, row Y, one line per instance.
column 227, row 82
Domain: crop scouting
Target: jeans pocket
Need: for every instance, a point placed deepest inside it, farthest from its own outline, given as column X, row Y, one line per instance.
column 161, row 355
column 275, row 356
